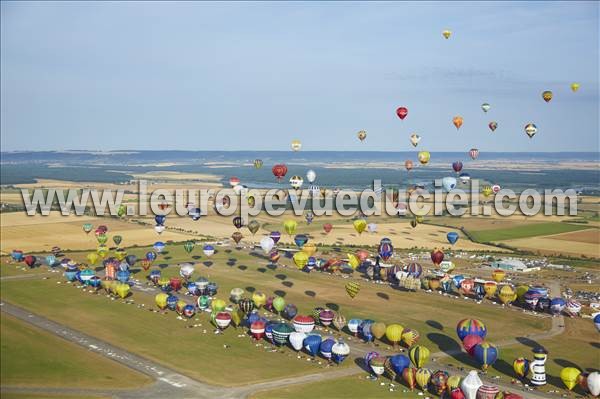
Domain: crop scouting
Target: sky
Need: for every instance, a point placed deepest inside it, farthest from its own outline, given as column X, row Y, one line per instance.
column 255, row 76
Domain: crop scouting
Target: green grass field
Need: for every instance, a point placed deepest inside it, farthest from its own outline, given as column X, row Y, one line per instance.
column 32, row 357
column 528, row 230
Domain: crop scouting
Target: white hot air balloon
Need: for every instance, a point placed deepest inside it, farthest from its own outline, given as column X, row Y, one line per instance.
column 159, row 229
column 414, row 139
column 186, row 270
column 593, row 383
column 311, row 176
column 372, row 227
column 267, row 244
column 297, row 339
column 208, row 250
column 449, row 183
column 470, row 384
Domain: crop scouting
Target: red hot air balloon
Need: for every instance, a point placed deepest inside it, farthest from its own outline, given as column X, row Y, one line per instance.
column 279, row 171
column 402, row 112
column 327, row 227
column 437, row 256
column 457, row 166
column 30, row 260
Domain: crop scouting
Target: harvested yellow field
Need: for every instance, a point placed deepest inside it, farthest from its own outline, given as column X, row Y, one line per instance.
column 549, row 245
column 591, row 236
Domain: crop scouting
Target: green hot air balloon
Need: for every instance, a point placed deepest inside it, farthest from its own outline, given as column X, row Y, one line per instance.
column 188, row 246
column 117, row 240
column 102, row 238
column 122, row 211
column 87, row 227
column 279, row 304
column 253, row 226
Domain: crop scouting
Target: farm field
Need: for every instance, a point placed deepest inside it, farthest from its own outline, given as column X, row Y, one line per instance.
column 33, row 358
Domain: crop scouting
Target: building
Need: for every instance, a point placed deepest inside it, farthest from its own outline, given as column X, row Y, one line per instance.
column 512, row 265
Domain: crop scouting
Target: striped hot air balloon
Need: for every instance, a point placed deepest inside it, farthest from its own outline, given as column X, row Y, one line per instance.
column 340, row 351
column 418, row 355
column 470, row 326
column 352, row 288
column 303, row 323
column 281, row 332
column 487, row 392
column 409, row 375
column 410, row 337
column 257, row 329
column 339, row 321
column 423, row 377
column 326, row 317
column 246, row 305
column 222, row 320
column 486, row 354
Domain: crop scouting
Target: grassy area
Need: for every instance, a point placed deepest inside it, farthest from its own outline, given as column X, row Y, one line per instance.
column 528, row 230
column 346, row 387
column 32, row 357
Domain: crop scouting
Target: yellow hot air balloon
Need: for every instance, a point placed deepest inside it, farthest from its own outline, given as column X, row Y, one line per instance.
column 360, row 225
column 163, row 281
column 122, row 289
column 296, row 145
column 120, row 254
column 574, row 86
column 434, row 283
column 457, row 121
column 424, row 157
column 353, row 261
column 410, row 337
column 352, row 288
column 218, row 305
column 447, row 33
column 570, row 376
column 180, row 305
column 378, row 330
column 423, row 377
column 418, row 355
column 362, row 135
column 498, row 275
column 236, row 317
column 393, row 333
column 161, row 300
column 453, row 382
column 521, row 290
column 309, row 248
column 102, row 251
column 92, row 258
column 290, row 226
column 487, row 191
column 507, row 294
column 490, row 288
column 107, row 285
column 300, row 259
column 259, row 299
column 547, row 95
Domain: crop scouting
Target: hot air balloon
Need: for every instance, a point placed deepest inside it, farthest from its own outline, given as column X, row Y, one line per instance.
column 490, row 288
column 572, row 307
column 222, row 320
column 530, row 130
column 399, row 363
column 278, row 304
column 437, row 256
column 487, row 392
column 569, row 377
column 470, row 326
column 449, row 183
column 257, row 329
column 300, row 240
column 574, row 87
column 312, row 344
column 208, row 250
column 493, row 125
column 30, row 260
column 311, row 176
column 353, row 325
column 485, row 107
column 339, row 321
column 290, row 226
column 188, row 246
column 423, row 376
column 409, row 375
column 439, row 381
column 237, row 237
column 470, row 385
column 457, row 121
column 186, row 270
column 296, row 145
column 424, row 157
column 470, row 341
column 238, row 222
column 485, row 353
column 507, row 294
column 547, row 96
column 521, row 367
column 372, row 227
column 457, row 166
column 279, row 171
column 267, row 243
column 275, row 236
column 385, row 249
column 352, row 289
column 297, row 340
column 414, row 139
column 303, row 323
column 410, row 337
column 300, row 259
column 360, row 225
column 296, row 182
column 593, row 383
column 258, row 163
column 447, row 34
column 87, row 227
column 326, row 317
column 474, row 153
column 557, row 305
column 327, row 227
column 597, row 321
column 498, row 275
column 378, row 329
column 340, row 350
column 253, row 226
column 402, row 112
column 362, row 135
column 418, row 355
column 408, row 164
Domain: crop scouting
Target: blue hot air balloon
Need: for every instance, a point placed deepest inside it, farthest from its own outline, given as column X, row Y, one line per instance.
column 159, row 246
column 123, row 276
column 452, row 237
column 151, row 255
column 312, row 344
column 557, row 305
column 326, row 347
column 300, row 240
column 597, row 321
column 485, row 353
column 17, row 255
column 154, row 276
column 457, row 280
column 71, row 272
column 479, row 291
column 399, row 363
column 51, row 260
column 252, row 317
column 365, row 330
column 172, row 302
column 160, row 220
column 195, row 213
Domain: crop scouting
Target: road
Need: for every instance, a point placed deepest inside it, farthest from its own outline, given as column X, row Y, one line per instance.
column 172, row 384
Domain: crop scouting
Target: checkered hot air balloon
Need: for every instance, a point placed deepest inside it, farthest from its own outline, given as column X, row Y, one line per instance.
column 352, row 289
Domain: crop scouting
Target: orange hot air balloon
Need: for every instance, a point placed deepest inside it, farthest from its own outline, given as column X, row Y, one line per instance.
column 458, row 121
column 408, row 164
column 498, row 275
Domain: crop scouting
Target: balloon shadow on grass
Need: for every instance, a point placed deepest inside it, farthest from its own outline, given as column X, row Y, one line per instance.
column 280, row 277
column 250, row 289
column 383, row 295
column 272, row 266
column 243, row 267
column 311, row 294
column 207, row 263
column 196, row 257
column 261, row 270
column 360, row 362
column 333, row 306
column 287, row 284
column 280, row 293
column 527, row 342
column 435, row 324
column 163, row 265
